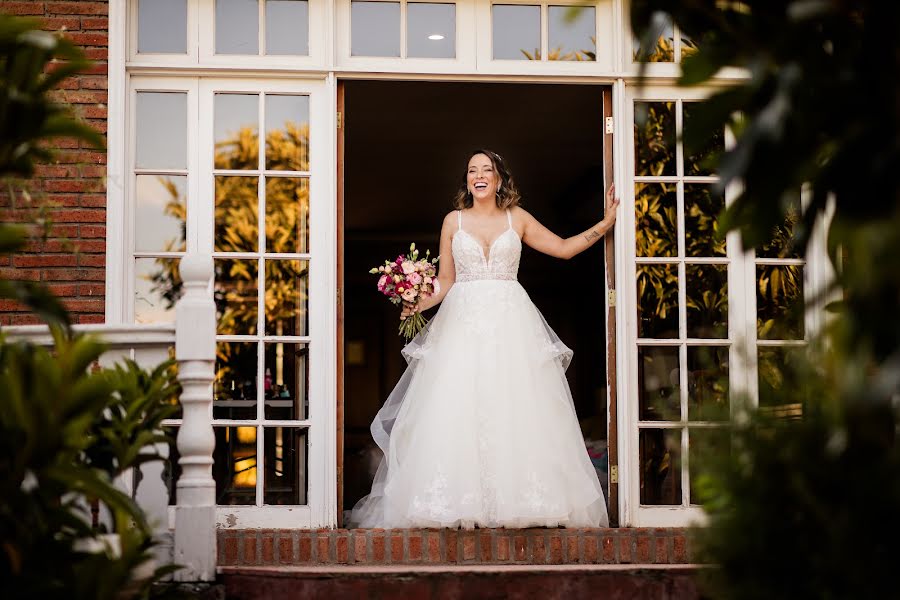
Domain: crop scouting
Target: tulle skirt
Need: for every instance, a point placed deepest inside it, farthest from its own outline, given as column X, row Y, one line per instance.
column 481, row 429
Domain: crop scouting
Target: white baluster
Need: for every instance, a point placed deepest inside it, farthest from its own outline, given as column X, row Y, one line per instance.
column 195, row 350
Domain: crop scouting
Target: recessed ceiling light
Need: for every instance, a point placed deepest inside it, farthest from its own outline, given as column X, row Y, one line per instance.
column 435, row 36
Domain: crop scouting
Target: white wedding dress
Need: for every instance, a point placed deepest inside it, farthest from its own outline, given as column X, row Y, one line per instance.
column 481, row 429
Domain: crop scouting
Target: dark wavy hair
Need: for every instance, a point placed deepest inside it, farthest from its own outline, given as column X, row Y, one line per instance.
column 507, row 197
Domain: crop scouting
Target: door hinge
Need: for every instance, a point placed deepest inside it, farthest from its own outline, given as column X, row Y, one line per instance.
column 340, row 120
column 609, row 125
column 614, row 474
column 611, row 298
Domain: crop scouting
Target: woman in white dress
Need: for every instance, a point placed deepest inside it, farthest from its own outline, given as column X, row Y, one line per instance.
column 481, row 429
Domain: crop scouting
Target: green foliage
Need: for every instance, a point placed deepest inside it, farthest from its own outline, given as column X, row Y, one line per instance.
column 804, row 506
column 32, row 64
column 66, row 430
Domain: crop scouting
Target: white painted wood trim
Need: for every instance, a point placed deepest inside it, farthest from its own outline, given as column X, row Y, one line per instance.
column 116, row 175
column 116, row 335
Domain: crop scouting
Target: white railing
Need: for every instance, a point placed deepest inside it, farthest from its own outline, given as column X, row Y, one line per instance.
column 193, row 338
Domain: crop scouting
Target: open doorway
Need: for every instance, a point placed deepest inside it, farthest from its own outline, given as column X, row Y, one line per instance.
column 405, row 149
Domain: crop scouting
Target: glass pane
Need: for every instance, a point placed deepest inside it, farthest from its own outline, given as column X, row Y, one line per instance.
column 707, row 300
column 431, row 30
column 160, row 213
column 236, row 296
column 664, row 50
column 162, row 26
column 704, row 444
column 779, row 302
column 285, row 463
column 157, row 287
column 699, row 161
column 654, row 138
column 234, row 389
column 237, row 131
column 161, row 135
column 516, row 32
column 660, row 455
column 701, row 224
column 656, row 219
column 234, row 465
column 286, row 381
column 659, row 398
column 573, row 33
column 708, row 383
column 287, row 132
column 237, row 27
column 657, row 293
column 286, row 298
column 375, row 28
column 781, row 243
column 287, row 214
column 236, row 214
column 781, row 374
column 688, row 46
column 287, row 27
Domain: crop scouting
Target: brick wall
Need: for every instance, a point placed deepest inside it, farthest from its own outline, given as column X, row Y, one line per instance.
column 71, row 259
column 543, row 546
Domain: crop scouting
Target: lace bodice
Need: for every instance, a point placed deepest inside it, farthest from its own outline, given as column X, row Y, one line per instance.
column 501, row 262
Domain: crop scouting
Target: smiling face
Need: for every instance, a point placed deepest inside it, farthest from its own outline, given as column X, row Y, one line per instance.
column 482, row 178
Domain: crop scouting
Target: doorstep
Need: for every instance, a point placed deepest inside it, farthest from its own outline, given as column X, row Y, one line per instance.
column 537, row 546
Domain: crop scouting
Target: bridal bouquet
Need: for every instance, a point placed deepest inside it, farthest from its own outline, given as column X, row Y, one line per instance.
column 408, row 279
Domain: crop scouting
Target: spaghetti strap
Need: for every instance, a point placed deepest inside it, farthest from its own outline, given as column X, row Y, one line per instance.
column 459, row 220
column 509, row 218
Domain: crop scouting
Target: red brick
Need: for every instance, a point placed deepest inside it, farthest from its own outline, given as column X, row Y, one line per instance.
column 323, row 547
column 396, row 547
column 556, row 549
column 378, row 547
column 89, row 39
column 78, row 215
column 520, row 546
column 91, row 231
column 359, row 546
column 231, row 550
column 90, row 319
column 572, row 554
column 625, row 549
column 452, row 540
column 60, row 23
column 415, row 545
column 433, row 550
column 679, row 545
column 91, row 260
column 609, row 549
column 343, row 549
column 538, row 550
column 268, row 549
column 643, row 549
column 662, row 553
column 486, row 551
column 45, row 260
column 95, row 23
column 591, row 553
column 502, row 548
column 23, row 8
column 285, row 550
column 77, row 8
column 468, row 545
column 249, row 547
column 304, row 548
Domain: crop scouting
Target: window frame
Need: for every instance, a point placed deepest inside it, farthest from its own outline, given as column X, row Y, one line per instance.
column 464, row 44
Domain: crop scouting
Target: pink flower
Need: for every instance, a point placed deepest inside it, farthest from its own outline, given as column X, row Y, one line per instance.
column 414, row 278
column 382, row 281
column 409, row 295
column 407, row 267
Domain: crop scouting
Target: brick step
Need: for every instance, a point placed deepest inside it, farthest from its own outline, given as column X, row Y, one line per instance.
column 252, row 547
column 427, row 582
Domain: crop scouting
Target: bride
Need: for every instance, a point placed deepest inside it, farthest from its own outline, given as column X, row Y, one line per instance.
column 481, row 429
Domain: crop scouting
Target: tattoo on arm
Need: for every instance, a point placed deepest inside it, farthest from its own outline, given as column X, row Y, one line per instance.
column 591, row 235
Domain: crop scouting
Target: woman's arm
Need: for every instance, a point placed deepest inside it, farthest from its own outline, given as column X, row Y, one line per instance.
column 446, row 270
column 543, row 240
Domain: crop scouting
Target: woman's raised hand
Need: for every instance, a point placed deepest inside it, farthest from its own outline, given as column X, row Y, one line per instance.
column 612, row 203
column 408, row 309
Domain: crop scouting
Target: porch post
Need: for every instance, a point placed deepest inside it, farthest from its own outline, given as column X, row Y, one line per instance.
column 195, row 347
